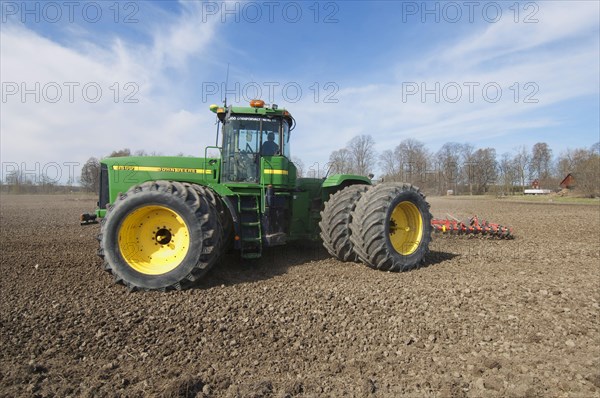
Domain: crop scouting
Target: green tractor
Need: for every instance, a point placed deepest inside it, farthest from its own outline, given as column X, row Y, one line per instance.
column 167, row 220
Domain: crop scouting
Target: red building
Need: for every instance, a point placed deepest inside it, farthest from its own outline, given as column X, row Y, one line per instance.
column 568, row 182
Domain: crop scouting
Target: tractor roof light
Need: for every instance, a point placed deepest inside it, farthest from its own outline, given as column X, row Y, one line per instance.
column 257, row 103
column 216, row 109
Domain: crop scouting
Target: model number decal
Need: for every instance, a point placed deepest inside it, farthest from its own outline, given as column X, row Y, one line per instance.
column 163, row 169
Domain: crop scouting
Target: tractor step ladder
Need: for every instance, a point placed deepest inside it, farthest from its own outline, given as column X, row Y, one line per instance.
column 250, row 229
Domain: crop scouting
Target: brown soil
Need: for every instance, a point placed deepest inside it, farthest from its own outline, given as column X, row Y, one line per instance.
column 484, row 318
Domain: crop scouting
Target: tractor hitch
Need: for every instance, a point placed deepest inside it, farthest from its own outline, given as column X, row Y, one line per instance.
column 87, row 219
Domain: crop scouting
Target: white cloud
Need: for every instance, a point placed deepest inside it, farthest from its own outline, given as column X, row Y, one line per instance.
column 73, row 131
column 556, row 21
column 558, row 56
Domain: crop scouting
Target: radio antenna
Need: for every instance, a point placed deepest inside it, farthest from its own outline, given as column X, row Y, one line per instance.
column 226, row 86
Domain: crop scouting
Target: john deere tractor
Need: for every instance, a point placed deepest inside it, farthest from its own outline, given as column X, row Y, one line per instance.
column 167, row 220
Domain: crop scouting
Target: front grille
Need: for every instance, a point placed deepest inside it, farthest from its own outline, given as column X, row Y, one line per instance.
column 104, row 198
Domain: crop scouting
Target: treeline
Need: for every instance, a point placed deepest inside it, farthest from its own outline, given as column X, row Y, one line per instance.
column 13, row 185
column 459, row 167
column 464, row 169
column 35, row 178
column 50, row 178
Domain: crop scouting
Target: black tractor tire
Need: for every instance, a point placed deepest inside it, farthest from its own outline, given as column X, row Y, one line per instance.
column 224, row 215
column 391, row 227
column 172, row 221
column 335, row 222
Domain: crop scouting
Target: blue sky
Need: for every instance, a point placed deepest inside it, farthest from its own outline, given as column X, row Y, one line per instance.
column 369, row 63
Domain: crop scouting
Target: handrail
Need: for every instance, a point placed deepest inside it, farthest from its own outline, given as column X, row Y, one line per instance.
column 206, row 157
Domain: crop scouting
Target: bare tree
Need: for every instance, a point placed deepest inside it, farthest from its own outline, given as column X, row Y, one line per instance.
column 540, row 166
column 412, row 157
column 46, row 184
column 316, row 171
column 389, row 165
column 120, row 153
column 17, row 180
column 570, row 159
column 20, row 177
column 521, row 162
column 508, row 173
column 587, row 175
column 299, row 166
column 362, row 154
column 448, row 162
column 90, row 173
column 13, row 177
column 340, row 162
column 485, row 170
column 584, row 164
column 468, row 165
column 564, row 164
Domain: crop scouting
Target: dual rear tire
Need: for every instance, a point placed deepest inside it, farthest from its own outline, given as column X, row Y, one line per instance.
column 336, row 218
column 387, row 227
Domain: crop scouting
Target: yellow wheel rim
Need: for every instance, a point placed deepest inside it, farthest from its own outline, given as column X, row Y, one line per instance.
column 153, row 240
column 406, row 228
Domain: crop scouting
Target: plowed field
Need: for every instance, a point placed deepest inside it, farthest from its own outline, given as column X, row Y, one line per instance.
column 483, row 318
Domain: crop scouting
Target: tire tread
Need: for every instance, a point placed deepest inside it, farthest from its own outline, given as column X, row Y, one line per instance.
column 335, row 222
column 368, row 228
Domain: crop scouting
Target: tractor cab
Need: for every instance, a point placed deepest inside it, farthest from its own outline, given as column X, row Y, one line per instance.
column 253, row 138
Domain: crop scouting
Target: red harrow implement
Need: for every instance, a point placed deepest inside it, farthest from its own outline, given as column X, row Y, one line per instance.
column 472, row 227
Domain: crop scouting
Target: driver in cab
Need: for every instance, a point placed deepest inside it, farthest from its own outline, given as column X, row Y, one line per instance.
column 269, row 147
